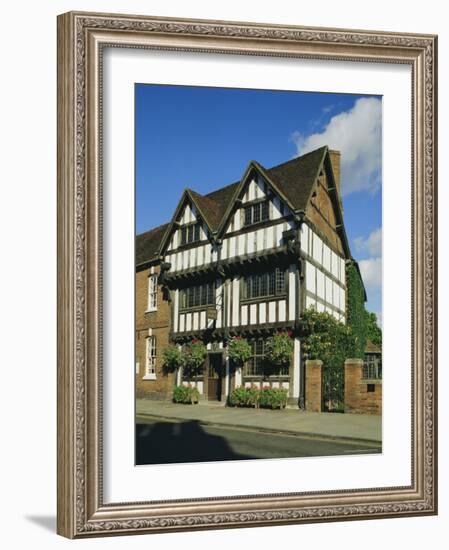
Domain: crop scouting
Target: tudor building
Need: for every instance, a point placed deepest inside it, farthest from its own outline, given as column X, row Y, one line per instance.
column 246, row 259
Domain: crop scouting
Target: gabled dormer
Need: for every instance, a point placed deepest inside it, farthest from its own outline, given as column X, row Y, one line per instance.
column 256, row 201
column 190, row 225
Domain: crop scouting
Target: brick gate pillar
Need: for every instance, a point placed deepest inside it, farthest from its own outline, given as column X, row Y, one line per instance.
column 353, row 378
column 362, row 396
column 313, row 385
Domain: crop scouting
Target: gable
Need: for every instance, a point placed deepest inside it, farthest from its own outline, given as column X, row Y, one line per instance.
column 254, row 189
column 321, row 211
column 287, row 187
column 184, row 221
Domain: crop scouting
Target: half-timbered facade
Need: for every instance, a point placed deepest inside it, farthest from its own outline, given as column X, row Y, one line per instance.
column 247, row 260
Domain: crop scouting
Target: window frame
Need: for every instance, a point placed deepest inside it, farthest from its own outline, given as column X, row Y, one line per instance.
column 152, row 297
column 263, row 206
column 194, row 230
column 189, row 300
column 259, row 369
column 150, row 358
column 268, row 281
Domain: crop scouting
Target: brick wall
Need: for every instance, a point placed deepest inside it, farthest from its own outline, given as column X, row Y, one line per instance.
column 358, row 395
column 313, row 385
column 158, row 323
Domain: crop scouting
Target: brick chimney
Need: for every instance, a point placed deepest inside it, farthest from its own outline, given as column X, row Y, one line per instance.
column 335, row 157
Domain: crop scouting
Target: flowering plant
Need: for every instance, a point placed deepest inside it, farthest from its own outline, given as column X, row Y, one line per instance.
column 266, row 397
column 239, row 350
column 279, row 348
column 326, row 338
column 195, row 355
column 185, row 394
column 172, row 358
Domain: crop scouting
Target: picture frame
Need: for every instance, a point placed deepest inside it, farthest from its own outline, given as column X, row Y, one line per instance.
column 82, row 39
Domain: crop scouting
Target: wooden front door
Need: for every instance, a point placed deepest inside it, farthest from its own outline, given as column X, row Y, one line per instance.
column 215, row 377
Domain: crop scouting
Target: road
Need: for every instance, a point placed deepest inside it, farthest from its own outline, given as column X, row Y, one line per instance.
column 160, row 441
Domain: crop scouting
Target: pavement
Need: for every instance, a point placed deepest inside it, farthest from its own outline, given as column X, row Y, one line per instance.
column 352, row 427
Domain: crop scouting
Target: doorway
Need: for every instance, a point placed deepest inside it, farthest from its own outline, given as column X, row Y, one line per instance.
column 215, row 376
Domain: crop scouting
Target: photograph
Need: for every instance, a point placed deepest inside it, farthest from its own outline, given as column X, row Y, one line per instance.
column 258, row 274
column 247, row 274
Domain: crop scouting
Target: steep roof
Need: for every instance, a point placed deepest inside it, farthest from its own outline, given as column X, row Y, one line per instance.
column 294, row 179
column 147, row 243
column 222, row 197
column 209, row 209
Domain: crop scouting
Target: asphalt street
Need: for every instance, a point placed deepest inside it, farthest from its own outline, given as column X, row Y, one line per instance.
column 159, row 441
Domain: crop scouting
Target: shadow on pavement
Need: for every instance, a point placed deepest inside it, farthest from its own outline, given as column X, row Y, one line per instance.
column 165, row 442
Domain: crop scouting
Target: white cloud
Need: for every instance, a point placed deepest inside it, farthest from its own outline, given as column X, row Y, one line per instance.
column 357, row 134
column 372, row 244
column 371, row 271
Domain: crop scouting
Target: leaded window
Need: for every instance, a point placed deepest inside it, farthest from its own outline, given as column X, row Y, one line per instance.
column 255, row 364
column 190, row 233
column 261, row 285
column 198, row 296
column 255, row 213
column 258, row 366
column 372, row 367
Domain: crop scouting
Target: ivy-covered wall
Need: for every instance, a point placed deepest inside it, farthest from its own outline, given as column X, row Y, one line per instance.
column 356, row 313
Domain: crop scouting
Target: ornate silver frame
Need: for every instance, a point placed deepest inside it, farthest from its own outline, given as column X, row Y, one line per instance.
column 81, row 37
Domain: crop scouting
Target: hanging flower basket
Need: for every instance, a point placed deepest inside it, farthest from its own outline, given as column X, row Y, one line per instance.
column 239, row 351
column 279, row 349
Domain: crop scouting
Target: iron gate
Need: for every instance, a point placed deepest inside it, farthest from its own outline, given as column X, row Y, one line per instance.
column 333, row 389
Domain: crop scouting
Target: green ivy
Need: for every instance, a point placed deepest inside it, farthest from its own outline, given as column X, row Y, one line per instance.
column 363, row 323
column 326, row 339
column 373, row 332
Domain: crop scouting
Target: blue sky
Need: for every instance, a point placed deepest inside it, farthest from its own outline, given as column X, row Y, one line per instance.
column 203, row 138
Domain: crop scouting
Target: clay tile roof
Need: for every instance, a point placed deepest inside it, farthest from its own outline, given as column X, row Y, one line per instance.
column 148, row 243
column 222, row 197
column 372, row 348
column 296, row 177
column 208, row 208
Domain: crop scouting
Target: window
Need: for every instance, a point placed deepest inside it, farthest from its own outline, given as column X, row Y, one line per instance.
column 152, row 293
column 190, row 233
column 255, row 213
column 198, row 296
column 254, row 366
column 260, row 285
column 372, row 368
column 150, row 361
column 258, row 366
